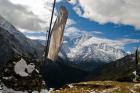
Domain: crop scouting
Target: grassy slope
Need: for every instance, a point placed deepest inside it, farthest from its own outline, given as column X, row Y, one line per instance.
column 121, row 70
column 101, row 87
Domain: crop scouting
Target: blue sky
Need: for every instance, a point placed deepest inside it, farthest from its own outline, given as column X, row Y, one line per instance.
column 111, row 19
column 108, row 30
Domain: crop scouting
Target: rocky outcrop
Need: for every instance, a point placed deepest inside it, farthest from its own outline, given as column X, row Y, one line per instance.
column 22, row 75
column 14, row 44
column 20, row 59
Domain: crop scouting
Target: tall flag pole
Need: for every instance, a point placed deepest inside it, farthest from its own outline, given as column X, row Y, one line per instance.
column 49, row 32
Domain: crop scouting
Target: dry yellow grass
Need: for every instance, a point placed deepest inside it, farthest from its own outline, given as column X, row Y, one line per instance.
column 101, row 87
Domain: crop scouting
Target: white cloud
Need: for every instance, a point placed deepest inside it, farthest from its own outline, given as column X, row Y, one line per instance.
column 116, row 11
column 36, row 12
column 20, row 16
column 119, row 43
column 74, row 32
column 37, row 37
column 129, row 41
column 70, row 22
column 31, row 15
column 97, row 32
column 74, row 2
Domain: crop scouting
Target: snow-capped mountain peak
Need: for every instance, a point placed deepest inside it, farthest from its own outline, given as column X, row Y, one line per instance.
column 83, row 46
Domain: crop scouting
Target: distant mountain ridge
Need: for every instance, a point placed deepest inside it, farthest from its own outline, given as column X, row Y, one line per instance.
column 83, row 46
column 86, row 47
column 121, row 70
column 14, row 43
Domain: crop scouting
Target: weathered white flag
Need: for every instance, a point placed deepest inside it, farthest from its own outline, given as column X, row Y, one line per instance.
column 57, row 34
